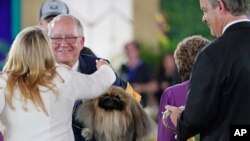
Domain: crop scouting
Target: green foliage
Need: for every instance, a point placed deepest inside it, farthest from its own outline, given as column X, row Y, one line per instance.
column 184, row 19
column 150, row 55
column 3, row 51
column 154, row 54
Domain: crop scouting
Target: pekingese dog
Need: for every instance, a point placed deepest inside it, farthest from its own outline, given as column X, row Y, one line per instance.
column 114, row 116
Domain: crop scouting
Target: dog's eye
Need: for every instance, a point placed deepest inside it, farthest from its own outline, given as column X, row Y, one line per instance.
column 117, row 97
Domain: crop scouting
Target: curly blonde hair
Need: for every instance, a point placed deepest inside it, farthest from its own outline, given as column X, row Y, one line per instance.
column 186, row 52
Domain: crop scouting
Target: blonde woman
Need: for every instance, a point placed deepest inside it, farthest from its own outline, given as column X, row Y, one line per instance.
column 37, row 96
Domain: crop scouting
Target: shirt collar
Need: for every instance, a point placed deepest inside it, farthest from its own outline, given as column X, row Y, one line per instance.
column 234, row 22
column 76, row 66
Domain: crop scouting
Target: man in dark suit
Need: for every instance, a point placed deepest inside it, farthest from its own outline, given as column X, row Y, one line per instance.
column 66, row 34
column 219, row 92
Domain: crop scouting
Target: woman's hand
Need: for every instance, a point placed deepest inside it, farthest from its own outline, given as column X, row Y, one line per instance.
column 101, row 62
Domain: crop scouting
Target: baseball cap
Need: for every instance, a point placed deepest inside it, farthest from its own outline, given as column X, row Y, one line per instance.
column 53, row 7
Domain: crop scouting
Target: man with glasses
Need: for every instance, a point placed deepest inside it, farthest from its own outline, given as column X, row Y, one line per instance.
column 66, row 34
column 49, row 10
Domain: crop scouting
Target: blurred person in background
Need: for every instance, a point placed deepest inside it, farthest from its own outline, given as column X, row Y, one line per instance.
column 219, row 91
column 67, row 38
column 140, row 75
column 49, row 10
column 167, row 74
column 176, row 95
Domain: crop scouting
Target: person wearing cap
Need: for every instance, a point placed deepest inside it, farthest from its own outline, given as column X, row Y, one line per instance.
column 52, row 8
column 66, row 34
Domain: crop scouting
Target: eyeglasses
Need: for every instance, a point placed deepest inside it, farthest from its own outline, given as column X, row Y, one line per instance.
column 69, row 40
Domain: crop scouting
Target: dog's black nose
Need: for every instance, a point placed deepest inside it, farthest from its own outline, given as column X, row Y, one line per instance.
column 111, row 103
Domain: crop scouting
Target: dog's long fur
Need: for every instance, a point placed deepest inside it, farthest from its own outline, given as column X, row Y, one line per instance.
column 114, row 116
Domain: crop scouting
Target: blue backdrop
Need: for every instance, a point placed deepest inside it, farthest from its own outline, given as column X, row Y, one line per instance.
column 9, row 25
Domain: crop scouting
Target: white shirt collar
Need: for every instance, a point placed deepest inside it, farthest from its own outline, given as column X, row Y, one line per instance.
column 76, row 66
column 234, row 22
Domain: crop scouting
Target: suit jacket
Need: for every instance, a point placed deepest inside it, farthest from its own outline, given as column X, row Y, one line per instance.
column 175, row 96
column 219, row 93
column 87, row 65
column 87, row 51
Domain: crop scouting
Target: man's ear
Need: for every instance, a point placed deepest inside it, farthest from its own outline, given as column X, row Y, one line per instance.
column 222, row 7
column 82, row 42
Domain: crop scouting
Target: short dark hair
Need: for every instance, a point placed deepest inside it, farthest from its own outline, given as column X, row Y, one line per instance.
column 135, row 43
column 50, row 18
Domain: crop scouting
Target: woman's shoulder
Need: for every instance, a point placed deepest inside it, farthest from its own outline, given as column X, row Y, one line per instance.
column 176, row 94
column 176, row 89
column 64, row 71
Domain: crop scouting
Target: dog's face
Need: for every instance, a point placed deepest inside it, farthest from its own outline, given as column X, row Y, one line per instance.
column 114, row 115
column 112, row 101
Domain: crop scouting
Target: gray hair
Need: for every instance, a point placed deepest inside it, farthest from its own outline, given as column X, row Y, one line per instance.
column 76, row 21
column 235, row 7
